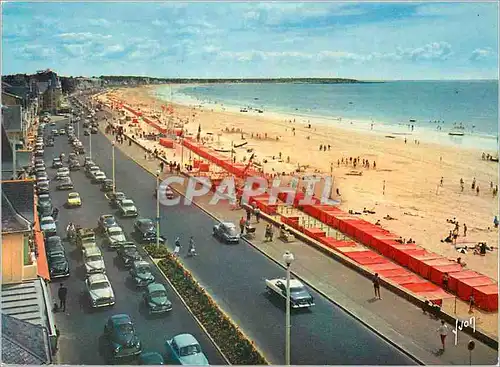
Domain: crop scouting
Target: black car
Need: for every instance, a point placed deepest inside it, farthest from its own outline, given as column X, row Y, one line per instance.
column 93, row 130
column 86, row 132
column 53, row 245
column 57, row 163
column 58, row 265
column 128, row 253
column 145, row 230
column 227, row 232
column 107, row 185
column 74, row 165
column 121, row 336
column 65, row 184
column 44, row 204
column 105, row 221
column 50, row 143
column 141, row 273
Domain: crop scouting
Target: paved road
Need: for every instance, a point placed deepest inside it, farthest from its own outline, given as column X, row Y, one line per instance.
column 81, row 328
column 234, row 276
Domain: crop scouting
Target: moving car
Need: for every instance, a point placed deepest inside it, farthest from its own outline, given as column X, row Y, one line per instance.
column 65, row 184
column 121, row 335
column 54, row 245
column 48, row 226
column 74, row 199
column 169, row 193
column 62, row 131
column 86, row 132
column 145, row 230
column 127, row 208
column 100, row 291
column 92, row 258
column 115, row 198
column 74, row 165
column 226, row 231
column 156, row 298
column 107, row 185
column 90, row 170
column 114, row 235
column 105, row 221
column 141, row 273
column 128, row 253
column 62, row 173
column 50, row 142
column 57, row 163
column 39, row 153
column 85, row 235
column 98, row 177
column 93, row 130
column 185, row 349
column 299, row 295
column 58, row 265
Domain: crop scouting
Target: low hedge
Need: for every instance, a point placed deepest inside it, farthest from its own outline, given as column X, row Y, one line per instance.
column 235, row 346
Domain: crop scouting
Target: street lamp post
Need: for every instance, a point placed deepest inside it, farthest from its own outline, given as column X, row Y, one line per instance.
column 288, row 258
column 90, row 146
column 113, row 164
column 158, row 209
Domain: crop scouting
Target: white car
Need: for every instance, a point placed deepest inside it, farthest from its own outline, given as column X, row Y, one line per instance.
column 62, row 172
column 127, row 208
column 299, row 295
column 99, row 177
column 48, row 225
column 100, row 291
column 115, row 236
column 94, row 263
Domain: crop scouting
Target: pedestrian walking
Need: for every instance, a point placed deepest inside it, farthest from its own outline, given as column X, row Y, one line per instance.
column 55, row 213
column 465, row 230
column 249, row 215
column 471, row 303
column 441, row 182
column 162, row 166
column 443, row 332
column 177, row 247
column 62, row 293
column 256, row 212
column 242, row 224
column 376, row 285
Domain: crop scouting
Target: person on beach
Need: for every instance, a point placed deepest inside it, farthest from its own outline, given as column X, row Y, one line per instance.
column 477, row 190
column 473, row 186
column 256, row 212
column 471, row 303
column 462, row 184
column 465, row 230
column 443, row 333
column 446, row 279
column 376, row 285
column 441, row 182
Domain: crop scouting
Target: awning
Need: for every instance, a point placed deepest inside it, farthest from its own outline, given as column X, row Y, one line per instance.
column 41, row 260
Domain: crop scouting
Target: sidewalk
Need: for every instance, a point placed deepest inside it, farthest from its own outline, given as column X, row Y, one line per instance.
column 393, row 317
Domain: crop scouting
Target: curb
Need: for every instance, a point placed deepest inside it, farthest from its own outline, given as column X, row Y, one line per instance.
column 190, row 311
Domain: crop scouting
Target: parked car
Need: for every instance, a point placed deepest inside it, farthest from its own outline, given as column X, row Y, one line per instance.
column 151, row 358
column 105, row 221
column 39, row 153
column 299, row 295
column 93, row 130
column 107, row 185
column 50, row 142
column 53, row 245
column 114, row 235
column 42, row 187
column 58, row 265
column 98, row 177
column 128, row 253
column 71, row 157
column 185, row 349
column 226, row 231
column 100, row 290
column 156, row 298
column 141, row 273
column 122, row 337
column 145, row 230
column 44, row 204
column 57, row 163
column 90, row 170
column 65, row 184
column 115, row 198
column 86, row 132
column 48, row 226
column 127, row 208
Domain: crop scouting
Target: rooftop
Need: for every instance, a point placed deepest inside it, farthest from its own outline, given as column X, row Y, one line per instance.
column 21, row 194
column 11, row 220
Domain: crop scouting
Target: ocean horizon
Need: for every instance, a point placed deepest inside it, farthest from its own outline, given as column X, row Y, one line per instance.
column 432, row 108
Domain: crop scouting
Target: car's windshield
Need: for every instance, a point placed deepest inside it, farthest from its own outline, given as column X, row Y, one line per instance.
column 72, row 196
column 159, row 293
column 127, row 203
column 115, row 231
column 231, row 231
column 125, row 328
column 189, row 350
column 109, row 221
column 47, row 221
column 94, row 258
column 143, row 269
column 297, row 290
column 98, row 286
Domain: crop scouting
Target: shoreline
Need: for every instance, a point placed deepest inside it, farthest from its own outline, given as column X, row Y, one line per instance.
column 405, row 184
column 472, row 141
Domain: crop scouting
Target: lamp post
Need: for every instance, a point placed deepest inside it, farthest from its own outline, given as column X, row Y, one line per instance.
column 158, row 209
column 113, row 164
column 90, row 146
column 288, row 258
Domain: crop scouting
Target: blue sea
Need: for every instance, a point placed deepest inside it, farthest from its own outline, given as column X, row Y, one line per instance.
column 435, row 107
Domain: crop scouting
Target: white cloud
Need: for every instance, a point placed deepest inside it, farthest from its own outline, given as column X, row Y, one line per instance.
column 100, row 22
column 77, row 50
column 482, row 53
column 83, row 36
column 431, row 51
column 35, row 51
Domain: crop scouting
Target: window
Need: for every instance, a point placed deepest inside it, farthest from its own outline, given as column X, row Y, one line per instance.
column 26, row 251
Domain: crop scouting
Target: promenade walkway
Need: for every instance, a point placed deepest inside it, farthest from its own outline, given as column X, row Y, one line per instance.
column 395, row 318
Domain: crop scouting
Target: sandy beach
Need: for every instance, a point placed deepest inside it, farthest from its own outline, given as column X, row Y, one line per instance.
column 406, row 183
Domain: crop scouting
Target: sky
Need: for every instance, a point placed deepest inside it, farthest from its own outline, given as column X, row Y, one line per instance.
column 360, row 40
